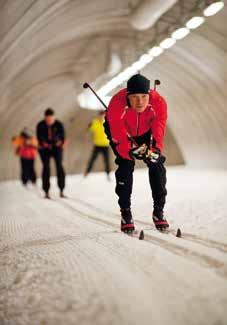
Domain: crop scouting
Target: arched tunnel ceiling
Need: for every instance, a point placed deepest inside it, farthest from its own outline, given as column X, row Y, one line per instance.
column 53, row 40
column 49, row 48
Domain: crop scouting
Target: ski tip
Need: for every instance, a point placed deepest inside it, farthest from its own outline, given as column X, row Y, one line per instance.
column 141, row 236
column 178, row 234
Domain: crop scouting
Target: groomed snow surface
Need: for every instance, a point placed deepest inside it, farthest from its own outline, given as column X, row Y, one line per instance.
column 63, row 261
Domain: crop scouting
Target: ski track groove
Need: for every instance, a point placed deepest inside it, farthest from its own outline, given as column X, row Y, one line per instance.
column 60, row 241
column 190, row 237
column 94, row 304
column 178, row 249
column 174, row 248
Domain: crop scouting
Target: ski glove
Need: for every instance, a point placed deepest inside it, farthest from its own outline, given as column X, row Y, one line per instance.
column 139, row 152
column 148, row 156
column 45, row 145
column 154, row 157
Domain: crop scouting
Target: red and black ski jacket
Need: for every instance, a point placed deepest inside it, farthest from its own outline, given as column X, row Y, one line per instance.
column 125, row 123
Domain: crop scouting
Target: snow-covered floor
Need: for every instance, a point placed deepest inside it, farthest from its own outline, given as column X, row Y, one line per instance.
column 63, row 261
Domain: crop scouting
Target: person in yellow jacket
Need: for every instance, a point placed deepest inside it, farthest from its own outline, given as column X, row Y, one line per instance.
column 25, row 147
column 101, row 143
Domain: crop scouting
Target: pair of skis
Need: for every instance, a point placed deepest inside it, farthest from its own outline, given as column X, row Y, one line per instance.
column 139, row 234
column 135, row 233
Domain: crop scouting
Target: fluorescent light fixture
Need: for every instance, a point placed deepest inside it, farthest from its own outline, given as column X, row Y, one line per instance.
column 113, row 83
column 142, row 62
column 180, row 33
column 155, row 51
column 122, row 77
column 213, row 8
column 90, row 102
column 125, row 74
column 116, row 81
column 138, row 65
column 167, row 43
column 128, row 72
column 146, row 58
column 195, row 22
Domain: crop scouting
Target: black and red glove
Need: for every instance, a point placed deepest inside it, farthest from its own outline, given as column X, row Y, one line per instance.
column 154, row 156
column 45, row 145
column 147, row 155
column 139, row 152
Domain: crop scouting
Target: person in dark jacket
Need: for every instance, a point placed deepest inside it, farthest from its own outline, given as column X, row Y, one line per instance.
column 135, row 125
column 51, row 138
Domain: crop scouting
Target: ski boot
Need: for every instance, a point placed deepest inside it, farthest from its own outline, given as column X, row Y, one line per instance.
column 62, row 195
column 159, row 220
column 127, row 223
column 47, row 195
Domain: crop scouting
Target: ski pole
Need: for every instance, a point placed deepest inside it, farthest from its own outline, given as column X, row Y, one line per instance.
column 86, row 85
column 156, row 83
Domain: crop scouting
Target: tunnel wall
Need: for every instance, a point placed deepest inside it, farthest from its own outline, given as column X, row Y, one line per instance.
column 48, row 49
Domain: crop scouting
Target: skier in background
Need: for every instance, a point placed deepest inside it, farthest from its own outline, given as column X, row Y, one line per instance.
column 101, row 144
column 25, row 147
column 135, row 125
column 51, row 137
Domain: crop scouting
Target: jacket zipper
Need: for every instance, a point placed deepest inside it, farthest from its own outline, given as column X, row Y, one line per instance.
column 138, row 124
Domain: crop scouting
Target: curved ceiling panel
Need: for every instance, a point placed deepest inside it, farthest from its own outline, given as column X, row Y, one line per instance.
column 49, row 48
column 194, row 85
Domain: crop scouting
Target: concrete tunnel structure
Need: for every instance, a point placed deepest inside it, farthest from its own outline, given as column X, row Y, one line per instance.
column 48, row 49
column 64, row 259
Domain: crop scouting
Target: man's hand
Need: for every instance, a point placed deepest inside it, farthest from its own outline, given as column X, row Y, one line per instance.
column 154, row 156
column 59, row 144
column 139, row 152
column 45, row 145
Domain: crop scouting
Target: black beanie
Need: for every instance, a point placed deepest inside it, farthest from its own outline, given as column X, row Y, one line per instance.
column 48, row 112
column 138, row 84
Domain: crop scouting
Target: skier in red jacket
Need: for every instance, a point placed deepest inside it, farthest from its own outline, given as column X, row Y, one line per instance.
column 25, row 147
column 135, row 125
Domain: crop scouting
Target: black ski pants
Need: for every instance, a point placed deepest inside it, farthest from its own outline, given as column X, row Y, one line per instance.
column 124, row 175
column 27, row 171
column 124, row 183
column 104, row 151
column 57, row 155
